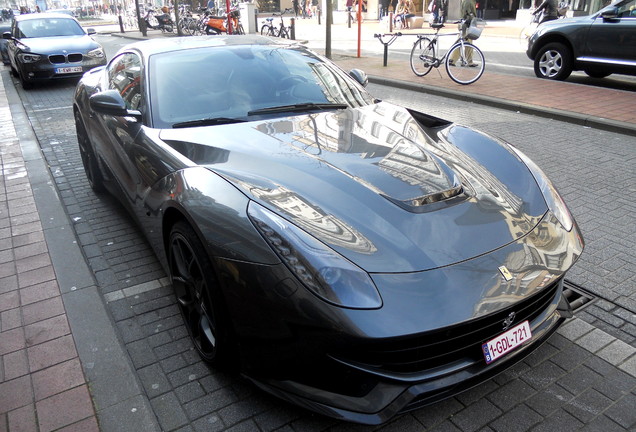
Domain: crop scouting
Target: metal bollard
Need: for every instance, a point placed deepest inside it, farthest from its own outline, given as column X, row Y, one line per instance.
column 292, row 31
column 121, row 24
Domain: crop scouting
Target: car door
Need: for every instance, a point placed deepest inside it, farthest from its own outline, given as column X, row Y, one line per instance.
column 130, row 150
column 613, row 34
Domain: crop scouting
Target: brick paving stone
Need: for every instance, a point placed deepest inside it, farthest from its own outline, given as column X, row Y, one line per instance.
column 475, row 416
column 617, row 352
column 15, row 393
column 52, row 352
column 209, row 403
column 543, row 375
column 510, row 394
column 168, row 411
column 46, row 330
column 244, row 409
column 587, row 405
column 10, row 319
column 580, row 379
column 518, row 419
column 22, row 419
column 39, row 292
column 189, row 392
column 86, row 425
column 12, row 340
column 154, row 380
column 559, row 421
column 434, row 414
column 549, row 399
column 210, row 423
column 16, row 364
column 623, row 412
column 42, row 310
column 57, row 379
column 64, row 409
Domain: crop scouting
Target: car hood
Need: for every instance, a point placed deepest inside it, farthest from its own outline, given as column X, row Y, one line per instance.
column 385, row 191
column 50, row 45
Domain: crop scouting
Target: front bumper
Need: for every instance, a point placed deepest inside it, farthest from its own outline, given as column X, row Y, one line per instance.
column 43, row 69
column 423, row 344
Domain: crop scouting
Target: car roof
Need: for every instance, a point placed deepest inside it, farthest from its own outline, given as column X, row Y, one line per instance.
column 162, row 45
column 32, row 16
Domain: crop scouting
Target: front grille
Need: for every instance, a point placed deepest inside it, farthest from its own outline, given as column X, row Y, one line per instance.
column 459, row 343
column 70, row 58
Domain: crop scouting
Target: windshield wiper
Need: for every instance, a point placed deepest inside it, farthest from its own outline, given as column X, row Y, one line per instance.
column 207, row 122
column 309, row 106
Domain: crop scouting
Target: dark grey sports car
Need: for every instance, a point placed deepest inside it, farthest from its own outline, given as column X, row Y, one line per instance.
column 354, row 257
column 46, row 46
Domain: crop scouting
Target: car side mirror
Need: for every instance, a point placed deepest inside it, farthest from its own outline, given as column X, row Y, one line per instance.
column 91, row 31
column 360, row 76
column 610, row 14
column 110, row 102
column 6, row 35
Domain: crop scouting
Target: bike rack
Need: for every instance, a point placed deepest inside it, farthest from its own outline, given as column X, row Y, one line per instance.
column 392, row 38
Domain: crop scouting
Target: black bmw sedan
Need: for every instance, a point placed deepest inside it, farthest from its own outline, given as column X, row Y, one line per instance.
column 354, row 257
column 48, row 46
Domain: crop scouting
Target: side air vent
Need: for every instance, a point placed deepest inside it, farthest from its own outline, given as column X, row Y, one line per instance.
column 576, row 296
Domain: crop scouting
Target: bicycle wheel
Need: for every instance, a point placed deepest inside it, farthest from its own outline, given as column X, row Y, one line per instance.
column 284, row 33
column 465, row 63
column 240, row 30
column 422, row 56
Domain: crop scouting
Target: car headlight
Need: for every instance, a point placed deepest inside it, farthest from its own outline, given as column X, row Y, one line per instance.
column 322, row 270
column 29, row 58
column 552, row 197
column 96, row 53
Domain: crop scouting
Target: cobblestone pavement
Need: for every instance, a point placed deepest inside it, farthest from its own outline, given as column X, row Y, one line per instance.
column 584, row 377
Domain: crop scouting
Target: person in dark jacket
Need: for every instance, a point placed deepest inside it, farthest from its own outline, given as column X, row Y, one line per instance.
column 550, row 10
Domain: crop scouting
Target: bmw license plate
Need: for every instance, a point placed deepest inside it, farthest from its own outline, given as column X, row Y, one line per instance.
column 506, row 342
column 71, row 69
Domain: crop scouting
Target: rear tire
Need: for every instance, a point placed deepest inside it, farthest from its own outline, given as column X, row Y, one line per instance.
column 592, row 73
column 422, row 57
column 91, row 167
column 553, row 61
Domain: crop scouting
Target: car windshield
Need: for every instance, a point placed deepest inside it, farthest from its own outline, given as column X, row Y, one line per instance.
column 49, row 27
column 245, row 83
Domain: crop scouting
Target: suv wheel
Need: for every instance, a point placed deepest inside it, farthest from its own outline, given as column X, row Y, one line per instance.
column 553, row 61
column 595, row 73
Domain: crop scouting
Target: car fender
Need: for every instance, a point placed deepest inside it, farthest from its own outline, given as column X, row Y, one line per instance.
column 215, row 209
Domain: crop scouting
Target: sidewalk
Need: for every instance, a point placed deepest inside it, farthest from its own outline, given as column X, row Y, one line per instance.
column 57, row 375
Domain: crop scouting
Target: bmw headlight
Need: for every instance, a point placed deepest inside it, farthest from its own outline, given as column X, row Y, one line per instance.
column 552, row 197
column 96, row 53
column 29, row 58
column 322, row 270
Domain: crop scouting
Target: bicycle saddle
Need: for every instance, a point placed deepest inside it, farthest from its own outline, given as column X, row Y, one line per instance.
column 437, row 25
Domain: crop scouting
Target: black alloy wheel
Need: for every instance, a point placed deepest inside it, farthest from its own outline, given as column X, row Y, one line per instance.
column 91, row 167
column 196, row 288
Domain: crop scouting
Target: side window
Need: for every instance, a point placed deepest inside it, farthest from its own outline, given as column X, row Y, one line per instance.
column 627, row 9
column 124, row 75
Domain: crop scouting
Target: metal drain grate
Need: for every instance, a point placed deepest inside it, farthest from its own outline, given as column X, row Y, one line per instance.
column 576, row 296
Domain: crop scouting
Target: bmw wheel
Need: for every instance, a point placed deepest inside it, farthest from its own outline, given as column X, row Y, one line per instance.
column 553, row 61
column 197, row 290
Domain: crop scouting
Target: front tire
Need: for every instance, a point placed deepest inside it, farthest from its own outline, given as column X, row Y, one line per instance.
column 553, row 61
column 466, row 64
column 198, row 295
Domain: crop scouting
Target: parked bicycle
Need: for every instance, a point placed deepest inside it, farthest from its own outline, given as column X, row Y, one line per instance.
column 464, row 62
column 269, row 29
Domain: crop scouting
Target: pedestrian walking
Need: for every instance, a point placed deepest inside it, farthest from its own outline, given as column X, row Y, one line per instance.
column 550, row 10
column 469, row 12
